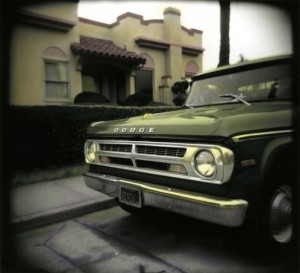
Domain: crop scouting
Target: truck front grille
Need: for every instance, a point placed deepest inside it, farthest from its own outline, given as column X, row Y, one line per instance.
column 139, row 155
column 143, row 149
column 158, row 158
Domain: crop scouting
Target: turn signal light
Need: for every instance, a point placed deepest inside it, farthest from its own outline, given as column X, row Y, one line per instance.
column 176, row 168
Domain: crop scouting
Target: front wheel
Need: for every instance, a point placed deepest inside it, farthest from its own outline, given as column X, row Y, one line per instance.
column 275, row 225
column 280, row 215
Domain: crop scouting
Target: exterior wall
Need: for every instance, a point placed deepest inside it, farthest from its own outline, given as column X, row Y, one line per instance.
column 64, row 10
column 93, row 29
column 130, row 28
column 158, row 71
column 29, row 41
column 32, row 37
column 169, row 63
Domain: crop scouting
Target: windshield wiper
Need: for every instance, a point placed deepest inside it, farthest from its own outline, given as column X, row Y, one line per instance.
column 235, row 97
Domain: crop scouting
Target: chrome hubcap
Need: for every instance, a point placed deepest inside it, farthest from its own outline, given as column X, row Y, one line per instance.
column 280, row 214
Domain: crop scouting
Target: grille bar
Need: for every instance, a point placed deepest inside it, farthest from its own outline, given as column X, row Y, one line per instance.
column 144, row 149
column 116, row 148
column 161, row 151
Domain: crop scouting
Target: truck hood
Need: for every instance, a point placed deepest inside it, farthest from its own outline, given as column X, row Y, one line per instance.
column 219, row 121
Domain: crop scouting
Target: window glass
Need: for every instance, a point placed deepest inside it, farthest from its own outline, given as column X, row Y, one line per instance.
column 56, row 71
column 261, row 84
column 57, row 90
column 57, row 84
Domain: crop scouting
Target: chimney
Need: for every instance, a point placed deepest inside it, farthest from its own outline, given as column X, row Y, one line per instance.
column 172, row 24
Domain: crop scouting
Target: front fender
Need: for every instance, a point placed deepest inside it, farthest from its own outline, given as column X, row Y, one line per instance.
column 254, row 159
column 274, row 151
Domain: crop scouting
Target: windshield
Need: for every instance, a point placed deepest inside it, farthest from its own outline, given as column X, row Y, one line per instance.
column 260, row 84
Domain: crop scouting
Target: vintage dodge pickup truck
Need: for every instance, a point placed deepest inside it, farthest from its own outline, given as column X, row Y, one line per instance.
column 224, row 157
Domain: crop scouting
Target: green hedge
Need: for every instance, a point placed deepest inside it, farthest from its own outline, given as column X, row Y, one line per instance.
column 45, row 136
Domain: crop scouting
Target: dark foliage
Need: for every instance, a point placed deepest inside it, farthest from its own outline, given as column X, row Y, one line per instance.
column 138, row 99
column 180, row 87
column 90, row 98
column 45, row 136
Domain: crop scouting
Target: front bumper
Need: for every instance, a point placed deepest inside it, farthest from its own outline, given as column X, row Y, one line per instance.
column 227, row 212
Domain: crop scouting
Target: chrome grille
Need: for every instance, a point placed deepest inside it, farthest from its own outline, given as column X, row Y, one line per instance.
column 160, row 158
column 116, row 148
column 161, row 151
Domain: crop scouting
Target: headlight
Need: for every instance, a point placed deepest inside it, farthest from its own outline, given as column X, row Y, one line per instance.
column 91, row 152
column 205, row 163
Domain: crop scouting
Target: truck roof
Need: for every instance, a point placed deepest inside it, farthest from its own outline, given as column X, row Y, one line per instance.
column 242, row 66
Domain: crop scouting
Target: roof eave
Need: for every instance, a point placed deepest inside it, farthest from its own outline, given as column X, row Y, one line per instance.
column 104, row 57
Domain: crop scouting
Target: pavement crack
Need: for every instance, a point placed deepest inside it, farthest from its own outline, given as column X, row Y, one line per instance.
column 57, row 231
column 64, row 258
column 120, row 243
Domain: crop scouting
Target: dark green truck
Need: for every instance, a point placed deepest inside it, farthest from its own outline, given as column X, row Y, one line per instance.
column 224, row 157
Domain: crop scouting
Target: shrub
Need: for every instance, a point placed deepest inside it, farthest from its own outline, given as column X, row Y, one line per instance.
column 46, row 136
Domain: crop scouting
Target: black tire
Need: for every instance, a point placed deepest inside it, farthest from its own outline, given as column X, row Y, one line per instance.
column 281, row 226
column 274, row 220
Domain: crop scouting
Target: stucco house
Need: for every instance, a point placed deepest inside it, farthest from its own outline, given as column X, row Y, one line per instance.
column 55, row 55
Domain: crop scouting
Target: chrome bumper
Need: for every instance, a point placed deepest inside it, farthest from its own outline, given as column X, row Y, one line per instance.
column 227, row 212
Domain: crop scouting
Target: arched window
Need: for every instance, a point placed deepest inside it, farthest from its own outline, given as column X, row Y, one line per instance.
column 144, row 77
column 191, row 69
column 57, row 87
column 149, row 61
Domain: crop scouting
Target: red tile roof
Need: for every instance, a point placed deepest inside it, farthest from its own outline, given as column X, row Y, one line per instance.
column 104, row 48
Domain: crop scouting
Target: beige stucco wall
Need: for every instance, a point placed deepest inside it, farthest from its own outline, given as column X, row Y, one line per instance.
column 66, row 10
column 170, row 63
column 27, row 85
column 93, row 30
column 27, row 71
column 158, row 58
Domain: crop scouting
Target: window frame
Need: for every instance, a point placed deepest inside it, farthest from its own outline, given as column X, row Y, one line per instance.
column 47, row 81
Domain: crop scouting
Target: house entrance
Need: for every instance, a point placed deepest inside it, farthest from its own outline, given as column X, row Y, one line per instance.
column 107, row 80
column 144, row 82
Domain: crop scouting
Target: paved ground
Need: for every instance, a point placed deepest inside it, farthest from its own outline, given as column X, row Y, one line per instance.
column 59, row 230
column 112, row 241
column 38, row 204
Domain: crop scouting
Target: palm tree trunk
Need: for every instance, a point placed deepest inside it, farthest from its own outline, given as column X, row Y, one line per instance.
column 224, row 32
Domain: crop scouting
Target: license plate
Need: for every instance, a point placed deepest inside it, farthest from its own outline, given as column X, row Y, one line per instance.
column 130, row 196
